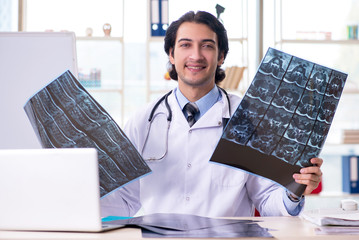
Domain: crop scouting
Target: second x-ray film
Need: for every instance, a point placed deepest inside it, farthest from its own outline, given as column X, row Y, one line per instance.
column 283, row 119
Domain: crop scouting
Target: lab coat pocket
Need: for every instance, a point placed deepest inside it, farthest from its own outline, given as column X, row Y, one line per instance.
column 227, row 177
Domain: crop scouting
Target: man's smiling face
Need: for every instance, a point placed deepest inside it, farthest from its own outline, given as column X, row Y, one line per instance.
column 195, row 56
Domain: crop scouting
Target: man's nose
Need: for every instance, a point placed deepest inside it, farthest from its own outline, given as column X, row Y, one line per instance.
column 196, row 53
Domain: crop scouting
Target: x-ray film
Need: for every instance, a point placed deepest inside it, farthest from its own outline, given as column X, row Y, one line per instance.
column 64, row 115
column 164, row 225
column 283, row 119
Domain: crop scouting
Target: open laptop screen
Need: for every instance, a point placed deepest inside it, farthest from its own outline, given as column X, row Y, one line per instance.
column 49, row 189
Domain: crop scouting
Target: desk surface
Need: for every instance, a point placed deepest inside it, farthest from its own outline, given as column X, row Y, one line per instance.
column 282, row 228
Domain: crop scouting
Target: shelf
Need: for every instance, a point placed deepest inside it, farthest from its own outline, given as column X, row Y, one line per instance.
column 242, row 39
column 350, row 91
column 156, row 39
column 160, row 39
column 161, row 91
column 307, row 41
column 100, row 38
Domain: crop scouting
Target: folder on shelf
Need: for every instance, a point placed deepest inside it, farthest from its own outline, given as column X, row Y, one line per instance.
column 350, row 166
column 159, row 17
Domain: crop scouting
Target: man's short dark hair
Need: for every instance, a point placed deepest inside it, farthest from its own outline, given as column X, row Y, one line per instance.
column 203, row 18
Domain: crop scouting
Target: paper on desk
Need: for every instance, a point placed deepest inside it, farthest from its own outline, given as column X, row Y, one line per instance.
column 337, row 230
column 332, row 217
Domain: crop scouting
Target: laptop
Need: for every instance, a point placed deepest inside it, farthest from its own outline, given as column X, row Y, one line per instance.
column 50, row 190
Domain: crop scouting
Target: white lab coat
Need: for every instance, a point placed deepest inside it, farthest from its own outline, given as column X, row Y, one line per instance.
column 185, row 181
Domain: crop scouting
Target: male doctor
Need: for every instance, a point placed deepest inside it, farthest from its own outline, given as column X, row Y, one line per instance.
column 178, row 151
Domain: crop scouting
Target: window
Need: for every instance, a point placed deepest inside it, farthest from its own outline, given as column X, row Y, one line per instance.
column 8, row 15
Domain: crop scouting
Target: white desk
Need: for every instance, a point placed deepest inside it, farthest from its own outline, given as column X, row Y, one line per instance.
column 282, row 228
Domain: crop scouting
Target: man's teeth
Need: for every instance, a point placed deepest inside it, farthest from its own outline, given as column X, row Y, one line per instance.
column 195, row 67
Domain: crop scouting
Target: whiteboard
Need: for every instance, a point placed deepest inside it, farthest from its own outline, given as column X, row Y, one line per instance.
column 28, row 62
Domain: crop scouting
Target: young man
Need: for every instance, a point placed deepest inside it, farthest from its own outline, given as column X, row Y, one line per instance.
column 183, row 180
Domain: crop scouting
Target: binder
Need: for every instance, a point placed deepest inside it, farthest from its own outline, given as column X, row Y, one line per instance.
column 159, row 17
column 350, row 165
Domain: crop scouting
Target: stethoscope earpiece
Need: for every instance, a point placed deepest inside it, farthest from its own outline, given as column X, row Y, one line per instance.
column 164, row 97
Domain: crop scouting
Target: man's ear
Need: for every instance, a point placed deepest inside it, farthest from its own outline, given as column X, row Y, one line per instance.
column 172, row 59
column 220, row 59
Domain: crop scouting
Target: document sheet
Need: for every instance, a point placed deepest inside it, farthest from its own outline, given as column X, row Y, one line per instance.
column 332, row 217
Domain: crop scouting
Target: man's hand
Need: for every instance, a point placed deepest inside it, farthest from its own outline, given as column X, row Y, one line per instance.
column 310, row 176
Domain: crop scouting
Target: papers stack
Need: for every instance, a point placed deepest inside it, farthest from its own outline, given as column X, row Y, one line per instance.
column 332, row 217
column 333, row 221
column 337, row 231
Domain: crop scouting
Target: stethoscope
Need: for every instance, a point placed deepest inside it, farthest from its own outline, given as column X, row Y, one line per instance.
column 152, row 116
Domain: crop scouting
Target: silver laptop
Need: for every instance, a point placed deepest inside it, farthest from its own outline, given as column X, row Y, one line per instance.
column 50, row 190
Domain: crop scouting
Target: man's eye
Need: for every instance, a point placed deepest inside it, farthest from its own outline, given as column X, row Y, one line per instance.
column 184, row 45
column 208, row 46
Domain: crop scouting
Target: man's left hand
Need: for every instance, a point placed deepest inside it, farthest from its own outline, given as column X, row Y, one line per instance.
column 310, row 176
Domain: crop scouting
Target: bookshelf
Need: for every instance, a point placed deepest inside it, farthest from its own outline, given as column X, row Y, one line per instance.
column 319, row 37
column 105, row 57
column 100, row 58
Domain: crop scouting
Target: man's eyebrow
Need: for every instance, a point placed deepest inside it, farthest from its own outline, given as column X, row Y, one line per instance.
column 184, row 39
column 209, row 40
column 190, row 40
